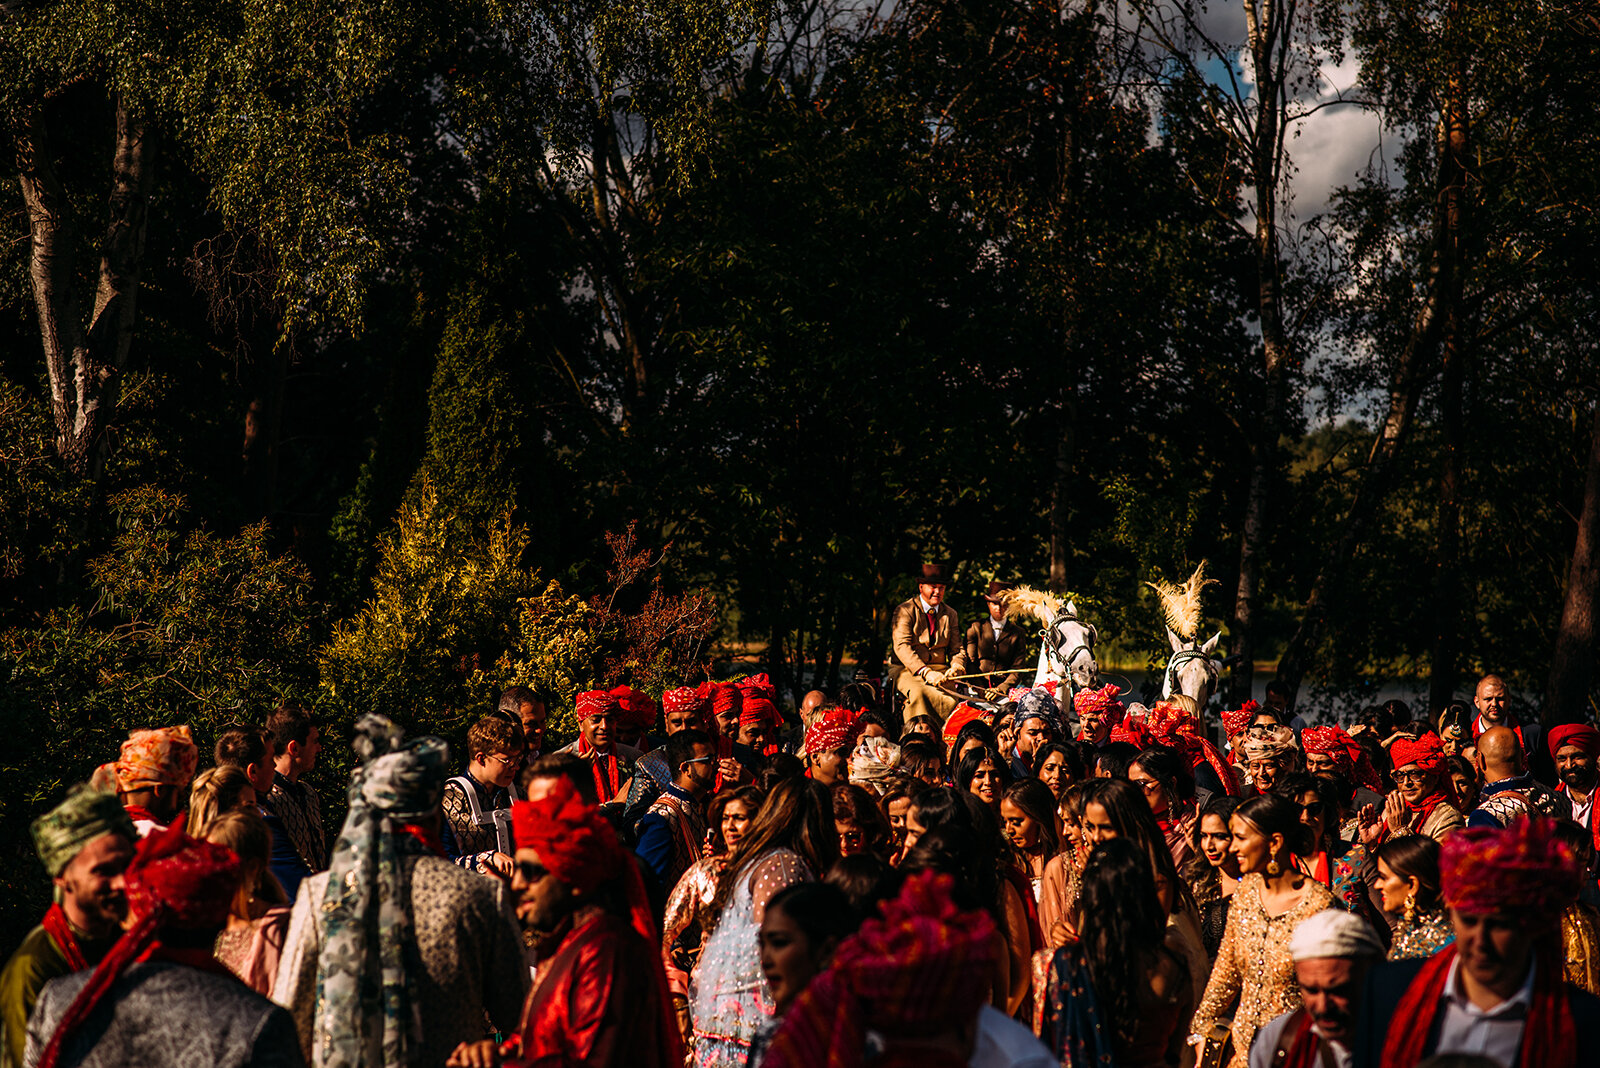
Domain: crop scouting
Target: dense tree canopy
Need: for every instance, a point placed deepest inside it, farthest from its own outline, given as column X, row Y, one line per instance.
column 380, row 355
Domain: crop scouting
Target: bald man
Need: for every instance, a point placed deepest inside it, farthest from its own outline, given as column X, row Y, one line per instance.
column 1509, row 790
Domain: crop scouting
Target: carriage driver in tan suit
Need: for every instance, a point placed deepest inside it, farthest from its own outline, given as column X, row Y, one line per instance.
column 927, row 646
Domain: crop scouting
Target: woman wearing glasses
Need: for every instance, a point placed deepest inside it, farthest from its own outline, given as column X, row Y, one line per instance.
column 1333, row 862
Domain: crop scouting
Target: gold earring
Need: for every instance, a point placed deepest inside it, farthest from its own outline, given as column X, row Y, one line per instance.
column 1272, row 866
column 1411, row 907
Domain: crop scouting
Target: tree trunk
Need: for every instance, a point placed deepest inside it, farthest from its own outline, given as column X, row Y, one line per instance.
column 1447, row 597
column 1061, row 500
column 1572, row 661
column 1270, row 28
column 263, row 428
column 83, row 362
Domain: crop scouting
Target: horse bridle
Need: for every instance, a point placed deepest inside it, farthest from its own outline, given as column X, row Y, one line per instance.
column 1053, row 635
column 1182, row 657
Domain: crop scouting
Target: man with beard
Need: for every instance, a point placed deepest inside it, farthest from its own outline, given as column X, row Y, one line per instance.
column 670, row 833
column 85, row 844
column 1573, row 747
column 1332, row 953
column 683, row 708
column 525, row 705
column 1037, row 723
column 601, row 995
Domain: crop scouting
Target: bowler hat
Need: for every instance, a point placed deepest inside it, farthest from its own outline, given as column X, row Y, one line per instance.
column 932, row 575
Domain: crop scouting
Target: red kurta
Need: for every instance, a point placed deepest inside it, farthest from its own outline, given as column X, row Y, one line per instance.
column 595, row 1002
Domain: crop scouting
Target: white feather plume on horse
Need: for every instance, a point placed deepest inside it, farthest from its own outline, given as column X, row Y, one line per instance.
column 1027, row 601
column 1181, row 604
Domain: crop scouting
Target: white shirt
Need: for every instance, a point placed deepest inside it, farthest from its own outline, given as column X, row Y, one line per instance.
column 927, row 609
column 1495, row 1033
column 999, row 625
column 1580, row 813
column 1004, row 1043
column 1265, row 1044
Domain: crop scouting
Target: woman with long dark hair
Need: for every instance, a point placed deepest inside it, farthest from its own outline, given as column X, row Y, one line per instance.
column 859, row 825
column 1120, row 995
column 1213, row 872
column 791, row 840
column 1027, row 818
column 1167, row 781
column 1413, row 905
column 682, row 926
column 1058, row 765
column 1254, row 980
column 983, row 773
column 1334, row 861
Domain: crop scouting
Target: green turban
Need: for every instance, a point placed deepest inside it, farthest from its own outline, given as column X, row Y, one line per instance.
column 86, row 814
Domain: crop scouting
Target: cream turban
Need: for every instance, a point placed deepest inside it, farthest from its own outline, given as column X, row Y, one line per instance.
column 1334, row 933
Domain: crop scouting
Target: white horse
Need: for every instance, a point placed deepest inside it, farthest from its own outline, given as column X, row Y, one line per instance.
column 1066, row 648
column 1192, row 669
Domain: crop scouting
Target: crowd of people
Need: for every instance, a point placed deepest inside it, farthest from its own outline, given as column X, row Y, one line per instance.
column 1049, row 878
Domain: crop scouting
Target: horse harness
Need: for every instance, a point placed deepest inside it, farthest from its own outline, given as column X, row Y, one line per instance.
column 1180, row 658
column 1053, row 636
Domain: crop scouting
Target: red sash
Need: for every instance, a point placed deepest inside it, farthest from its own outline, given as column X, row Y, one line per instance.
column 56, row 926
column 607, row 776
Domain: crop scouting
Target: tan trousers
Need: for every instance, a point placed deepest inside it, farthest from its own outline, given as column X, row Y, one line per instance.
column 922, row 699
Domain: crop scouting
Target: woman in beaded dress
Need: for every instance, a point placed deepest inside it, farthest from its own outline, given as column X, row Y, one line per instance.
column 1058, row 883
column 1408, row 882
column 1253, row 980
column 681, row 932
column 791, row 840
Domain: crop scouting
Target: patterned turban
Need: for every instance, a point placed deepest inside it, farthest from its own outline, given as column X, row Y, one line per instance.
column 1237, row 721
column 1581, row 735
column 963, row 715
column 85, row 814
column 594, row 702
column 1267, row 743
column 572, row 838
column 1038, row 704
column 1350, row 758
column 1133, row 731
column 873, row 762
column 758, row 685
column 635, row 708
column 830, row 730
column 1176, row 728
column 686, row 699
column 923, row 965
column 1426, row 752
column 1522, row 868
column 1099, row 702
column 174, row 882
column 163, row 756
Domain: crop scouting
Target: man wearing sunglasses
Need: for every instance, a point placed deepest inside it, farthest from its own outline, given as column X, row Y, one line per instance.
column 671, row 831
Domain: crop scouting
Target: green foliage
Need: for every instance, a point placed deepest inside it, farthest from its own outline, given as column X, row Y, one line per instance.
column 185, row 627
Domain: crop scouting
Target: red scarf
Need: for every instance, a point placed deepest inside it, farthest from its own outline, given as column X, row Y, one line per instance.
column 724, row 751
column 607, row 775
column 426, row 836
column 1304, row 1045
column 139, row 812
column 1550, row 1039
column 1424, row 808
column 56, row 926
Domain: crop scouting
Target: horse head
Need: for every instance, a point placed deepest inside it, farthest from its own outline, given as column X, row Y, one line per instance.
column 1071, row 644
column 1191, row 670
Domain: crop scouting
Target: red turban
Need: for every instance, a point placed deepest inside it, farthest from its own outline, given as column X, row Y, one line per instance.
column 1101, row 701
column 1132, row 730
column 725, row 698
column 594, row 702
column 758, row 686
column 758, row 709
column 1523, row 868
column 1426, row 752
column 635, row 708
column 1581, row 735
column 1175, row 728
column 1236, row 721
column 924, row 965
column 830, row 730
column 174, row 882
column 1349, row 756
column 572, row 839
column 686, row 699
column 963, row 715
